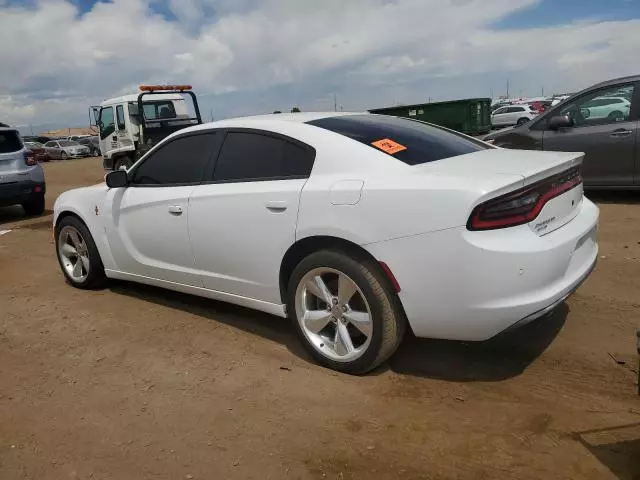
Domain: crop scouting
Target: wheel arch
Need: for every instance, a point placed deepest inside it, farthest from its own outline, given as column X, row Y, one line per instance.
column 308, row 245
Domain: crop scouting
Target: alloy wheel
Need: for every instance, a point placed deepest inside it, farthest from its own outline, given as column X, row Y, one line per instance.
column 333, row 314
column 73, row 253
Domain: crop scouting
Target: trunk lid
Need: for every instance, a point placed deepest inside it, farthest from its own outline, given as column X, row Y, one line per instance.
column 493, row 171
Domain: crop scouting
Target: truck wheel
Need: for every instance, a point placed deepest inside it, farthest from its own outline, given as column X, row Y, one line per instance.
column 123, row 162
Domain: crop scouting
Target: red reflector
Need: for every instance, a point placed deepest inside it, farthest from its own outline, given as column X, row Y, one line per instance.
column 391, row 276
column 37, row 189
column 524, row 205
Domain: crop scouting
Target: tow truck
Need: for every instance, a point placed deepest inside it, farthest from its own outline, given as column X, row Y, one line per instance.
column 130, row 125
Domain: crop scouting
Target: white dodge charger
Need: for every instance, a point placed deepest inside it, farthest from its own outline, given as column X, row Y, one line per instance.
column 353, row 225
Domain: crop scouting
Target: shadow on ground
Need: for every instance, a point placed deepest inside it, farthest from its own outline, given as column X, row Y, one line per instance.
column 617, row 448
column 621, row 197
column 267, row 326
column 502, row 357
column 16, row 214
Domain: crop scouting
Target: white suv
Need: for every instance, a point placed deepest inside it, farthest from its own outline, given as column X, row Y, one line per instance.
column 512, row 115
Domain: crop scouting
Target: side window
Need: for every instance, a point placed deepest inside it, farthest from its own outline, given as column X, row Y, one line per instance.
column 120, row 117
column 254, row 156
column 178, row 162
column 106, row 122
column 596, row 109
column 500, row 110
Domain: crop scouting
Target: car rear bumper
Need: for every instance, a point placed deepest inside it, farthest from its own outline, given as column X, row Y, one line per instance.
column 19, row 192
column 462, row 285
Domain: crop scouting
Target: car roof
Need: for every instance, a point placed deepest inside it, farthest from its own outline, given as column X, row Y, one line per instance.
column 265, row 120
column 615, row 81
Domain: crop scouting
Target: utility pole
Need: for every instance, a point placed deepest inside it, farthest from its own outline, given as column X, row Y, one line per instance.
column 542, row 92
column 31, row 128
column 211, row 114
column 507, row 88
column 335, row 103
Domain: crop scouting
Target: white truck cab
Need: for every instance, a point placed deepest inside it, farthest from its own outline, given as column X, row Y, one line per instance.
column 131, row 124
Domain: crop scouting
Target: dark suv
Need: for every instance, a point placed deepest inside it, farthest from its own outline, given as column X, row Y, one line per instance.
column 602, row 121
column 21, row 176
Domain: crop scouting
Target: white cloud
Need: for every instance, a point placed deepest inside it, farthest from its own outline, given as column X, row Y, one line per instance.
column 276, row 53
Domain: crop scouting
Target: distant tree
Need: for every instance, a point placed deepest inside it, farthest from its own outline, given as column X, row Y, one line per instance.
column 277, row 111
column 295, row 110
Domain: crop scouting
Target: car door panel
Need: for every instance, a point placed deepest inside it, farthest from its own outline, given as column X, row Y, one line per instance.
column 240, row 233
column 148, row 235
column 609, row 151
column 244, row 220
column 147, row 224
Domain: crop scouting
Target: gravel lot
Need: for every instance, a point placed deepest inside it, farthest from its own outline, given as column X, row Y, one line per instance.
column 134, row 382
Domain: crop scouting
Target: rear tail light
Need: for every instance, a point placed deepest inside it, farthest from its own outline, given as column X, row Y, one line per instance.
column 30, row 158
column 524, row 205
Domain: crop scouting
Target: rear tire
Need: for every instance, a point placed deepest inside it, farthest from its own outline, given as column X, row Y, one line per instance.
column 616, row 116
column 371, row 317
column 63, row 155
column 522, row 121
column 35, row 205
column 78, row 255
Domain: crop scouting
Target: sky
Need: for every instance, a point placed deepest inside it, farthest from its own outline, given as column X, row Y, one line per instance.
column 247, row 57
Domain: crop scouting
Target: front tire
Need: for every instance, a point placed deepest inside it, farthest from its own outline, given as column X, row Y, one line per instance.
column 63, row 155
column 344, row 311
column 78, row 255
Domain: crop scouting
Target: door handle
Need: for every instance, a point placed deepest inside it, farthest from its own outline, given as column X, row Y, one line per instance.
column 175, row 210
column 621, row 133
column 276, row 206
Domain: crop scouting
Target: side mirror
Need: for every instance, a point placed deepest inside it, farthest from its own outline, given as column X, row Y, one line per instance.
column 117, row 179
column 560, row 121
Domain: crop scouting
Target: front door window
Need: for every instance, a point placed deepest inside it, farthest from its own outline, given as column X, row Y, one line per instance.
column 107, row 126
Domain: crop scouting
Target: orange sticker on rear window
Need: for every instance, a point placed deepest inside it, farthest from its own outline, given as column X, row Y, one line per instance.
column 389, row 146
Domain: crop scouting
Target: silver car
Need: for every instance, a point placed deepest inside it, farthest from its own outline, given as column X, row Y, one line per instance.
column 21, row 176
column 63, row 149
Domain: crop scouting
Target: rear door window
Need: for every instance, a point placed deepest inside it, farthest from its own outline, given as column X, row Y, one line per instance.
column 9, row 142
column 410, row 141
column 247, row 156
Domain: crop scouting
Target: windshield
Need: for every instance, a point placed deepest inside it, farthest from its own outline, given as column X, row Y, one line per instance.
column 68, row 143
column 409, row 141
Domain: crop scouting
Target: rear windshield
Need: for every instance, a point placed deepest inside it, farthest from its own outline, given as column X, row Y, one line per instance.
column 158, row 110
column 410, row 141
column 9, row 142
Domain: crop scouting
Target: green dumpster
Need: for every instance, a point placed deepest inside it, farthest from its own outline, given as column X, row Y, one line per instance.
column 471, row 116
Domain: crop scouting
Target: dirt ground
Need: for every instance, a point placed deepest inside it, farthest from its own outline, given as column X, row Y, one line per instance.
column 137, row 383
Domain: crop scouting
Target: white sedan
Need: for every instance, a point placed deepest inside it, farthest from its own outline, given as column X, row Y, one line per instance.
column 356, row 226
